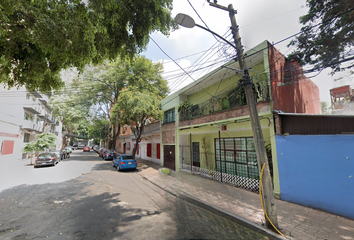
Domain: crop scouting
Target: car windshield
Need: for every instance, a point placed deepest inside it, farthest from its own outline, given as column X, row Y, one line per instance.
column 127, row 157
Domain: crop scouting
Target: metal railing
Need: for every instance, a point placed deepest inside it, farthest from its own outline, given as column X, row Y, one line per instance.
column 225, row 101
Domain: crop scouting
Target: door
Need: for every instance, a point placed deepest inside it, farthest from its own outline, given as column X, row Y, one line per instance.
column 169, row 156
column 195, row 154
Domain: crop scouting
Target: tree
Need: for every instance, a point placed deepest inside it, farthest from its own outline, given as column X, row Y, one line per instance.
column 69, row 111
column 135, row 109
column 105, row 82
column 327, row 36
column 325, row 109
column 39, row 38
column 42, row 142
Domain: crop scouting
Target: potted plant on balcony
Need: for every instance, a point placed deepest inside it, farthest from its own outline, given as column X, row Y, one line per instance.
column 184, row 110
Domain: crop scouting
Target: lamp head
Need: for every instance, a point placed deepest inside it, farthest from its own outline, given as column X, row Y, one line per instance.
column 184, row 20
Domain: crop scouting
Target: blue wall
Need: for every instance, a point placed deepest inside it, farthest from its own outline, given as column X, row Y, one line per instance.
column 317, row 171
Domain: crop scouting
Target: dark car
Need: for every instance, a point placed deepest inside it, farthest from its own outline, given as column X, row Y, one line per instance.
column 61, row 154
column 124, row 162
column 109, row 155
column 47, row 159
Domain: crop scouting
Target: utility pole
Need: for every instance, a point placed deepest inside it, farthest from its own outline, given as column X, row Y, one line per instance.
column 267, row 192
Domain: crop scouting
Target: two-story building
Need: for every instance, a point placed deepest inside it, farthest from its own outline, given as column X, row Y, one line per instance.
column 207, row 128
column 24, row 114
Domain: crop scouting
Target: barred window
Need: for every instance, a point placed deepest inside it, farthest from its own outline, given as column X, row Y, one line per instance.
column 169, row 116
column 236, row 156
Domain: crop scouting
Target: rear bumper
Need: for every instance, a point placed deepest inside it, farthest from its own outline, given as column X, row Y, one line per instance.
column 127, row 166
column 44, row 164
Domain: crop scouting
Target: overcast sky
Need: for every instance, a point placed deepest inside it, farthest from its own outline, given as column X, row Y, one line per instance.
column 259, row 20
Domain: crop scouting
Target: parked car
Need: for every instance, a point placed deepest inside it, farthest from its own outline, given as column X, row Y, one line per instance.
column 95, row 148
column 124, row 162
column 47, row 159
column 80, row 146
column 86, row 149
column 109, row 155
column 100, row 152
column 72, row 147
column 61, row 154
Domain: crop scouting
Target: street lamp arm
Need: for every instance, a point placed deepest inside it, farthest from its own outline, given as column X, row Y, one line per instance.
column 214, row 33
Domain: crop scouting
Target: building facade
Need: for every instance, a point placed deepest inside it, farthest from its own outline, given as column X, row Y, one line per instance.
column 24, row 114
column 207, row 128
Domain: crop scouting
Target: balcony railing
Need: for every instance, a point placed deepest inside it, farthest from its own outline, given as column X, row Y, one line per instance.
column 225, row 101
column 30, row 125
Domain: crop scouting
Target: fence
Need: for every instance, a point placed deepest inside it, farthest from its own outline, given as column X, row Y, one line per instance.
column 213, row 173
column 225, row 101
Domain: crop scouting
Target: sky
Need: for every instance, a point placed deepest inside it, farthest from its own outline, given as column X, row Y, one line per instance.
column 258, row 20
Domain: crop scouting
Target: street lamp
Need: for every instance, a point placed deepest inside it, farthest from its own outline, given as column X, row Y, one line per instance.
column 268, row 194
column 186, row 21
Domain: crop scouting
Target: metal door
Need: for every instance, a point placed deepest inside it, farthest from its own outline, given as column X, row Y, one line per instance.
column 196, row 154
column 169, row 156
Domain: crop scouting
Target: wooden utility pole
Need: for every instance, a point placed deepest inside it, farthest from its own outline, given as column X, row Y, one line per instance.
column 267, row 187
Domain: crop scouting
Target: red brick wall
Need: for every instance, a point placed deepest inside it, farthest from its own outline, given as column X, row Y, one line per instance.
column 168, row 133
column 292, row 91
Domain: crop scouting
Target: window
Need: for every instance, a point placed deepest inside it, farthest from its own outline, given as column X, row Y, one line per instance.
column 28, row 116
column 128, row 145
column 169, row 116
column 26, row 137
column 236, row 156
column 27, row 96
column 148, row 150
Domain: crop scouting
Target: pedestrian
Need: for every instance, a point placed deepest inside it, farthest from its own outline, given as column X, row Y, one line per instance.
column 68, row 152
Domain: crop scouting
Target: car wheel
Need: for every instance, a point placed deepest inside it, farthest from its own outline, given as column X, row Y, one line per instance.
column 118, row 168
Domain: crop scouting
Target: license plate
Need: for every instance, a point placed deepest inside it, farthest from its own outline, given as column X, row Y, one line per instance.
column 129, row 162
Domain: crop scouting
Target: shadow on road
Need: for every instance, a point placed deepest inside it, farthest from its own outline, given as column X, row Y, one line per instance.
column 68, row 211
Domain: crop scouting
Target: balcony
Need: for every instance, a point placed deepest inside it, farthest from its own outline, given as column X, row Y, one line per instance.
column 226, row 101
column 33, row 109
column 50, row 119
column 36, row 94
column 31, row 126
column 45, row 103
column 53, row 131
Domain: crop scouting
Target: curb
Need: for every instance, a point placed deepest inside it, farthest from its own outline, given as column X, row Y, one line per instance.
column 237, row 219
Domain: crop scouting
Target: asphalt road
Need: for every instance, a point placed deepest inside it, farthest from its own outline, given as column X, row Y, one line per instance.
column 84, row 197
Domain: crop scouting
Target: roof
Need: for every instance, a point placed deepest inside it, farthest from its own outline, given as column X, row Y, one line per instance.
column 313, row 115
column 342, row 91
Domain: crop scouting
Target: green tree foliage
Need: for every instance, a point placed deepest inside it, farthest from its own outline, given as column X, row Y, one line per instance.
column 325, row 108
column 102, row 85
column 68, row 110
column 327, row 36
column 41, row 143
column 39, row 38
column 136, row 109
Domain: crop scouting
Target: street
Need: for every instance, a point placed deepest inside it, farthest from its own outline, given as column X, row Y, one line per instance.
column 84, row 197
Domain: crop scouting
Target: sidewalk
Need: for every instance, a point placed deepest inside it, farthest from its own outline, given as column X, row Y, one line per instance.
column 294, row 220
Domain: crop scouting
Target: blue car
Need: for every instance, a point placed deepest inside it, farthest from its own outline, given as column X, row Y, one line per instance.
column 124, row 162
